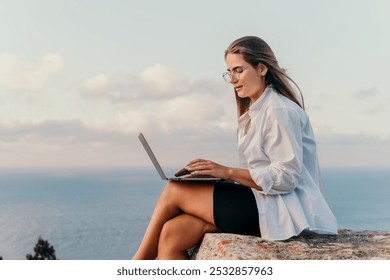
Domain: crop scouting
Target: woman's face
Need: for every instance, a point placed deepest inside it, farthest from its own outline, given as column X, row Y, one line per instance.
column 246, row 80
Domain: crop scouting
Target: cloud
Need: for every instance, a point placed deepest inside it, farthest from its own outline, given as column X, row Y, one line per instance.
column 17, row 73
column 63, row 143
column 357, row 140
column 378, row 108
column 107, row 87
column 74, row 143
column 373, row 101
column 161, row 100
column 367, row 92
column 188, row 118
column 353, row 150
column 182, row 120
column 160, row 81
column 156, row 82
column 59, row 132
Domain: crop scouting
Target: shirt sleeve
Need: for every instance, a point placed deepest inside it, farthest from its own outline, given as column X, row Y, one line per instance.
column 282, row 144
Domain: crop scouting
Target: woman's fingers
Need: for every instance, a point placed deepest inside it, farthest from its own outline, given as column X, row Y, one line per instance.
column 199, row 164
column 202, row 167
column 195, row 161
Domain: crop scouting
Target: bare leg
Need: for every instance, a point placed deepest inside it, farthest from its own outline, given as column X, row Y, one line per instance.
column 192, row 198
column 181, row 233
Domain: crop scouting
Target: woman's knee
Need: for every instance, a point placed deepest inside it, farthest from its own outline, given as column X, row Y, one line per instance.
column 175, row 192
column 175, row 189
column 170, row 193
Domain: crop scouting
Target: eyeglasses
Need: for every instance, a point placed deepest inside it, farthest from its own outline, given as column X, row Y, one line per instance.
column 228, row 76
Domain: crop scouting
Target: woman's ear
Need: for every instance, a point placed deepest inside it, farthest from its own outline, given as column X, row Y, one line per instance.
column 262, row 70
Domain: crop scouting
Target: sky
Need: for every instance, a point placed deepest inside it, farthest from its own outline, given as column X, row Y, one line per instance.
column 80, row 79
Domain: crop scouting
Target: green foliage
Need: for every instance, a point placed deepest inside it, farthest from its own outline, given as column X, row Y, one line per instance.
column 42, row 251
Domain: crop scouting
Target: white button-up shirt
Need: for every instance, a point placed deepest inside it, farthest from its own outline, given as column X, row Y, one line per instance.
column 279, row 149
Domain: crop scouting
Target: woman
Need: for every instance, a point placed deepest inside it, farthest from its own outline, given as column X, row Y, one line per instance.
column 275, row 191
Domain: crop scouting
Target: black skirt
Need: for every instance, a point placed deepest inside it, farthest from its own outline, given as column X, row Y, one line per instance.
column 235, row 209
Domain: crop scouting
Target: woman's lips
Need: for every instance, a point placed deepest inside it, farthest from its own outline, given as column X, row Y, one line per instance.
column 238, row 88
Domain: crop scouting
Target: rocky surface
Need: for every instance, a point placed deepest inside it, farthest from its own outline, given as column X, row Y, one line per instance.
column 348, row 245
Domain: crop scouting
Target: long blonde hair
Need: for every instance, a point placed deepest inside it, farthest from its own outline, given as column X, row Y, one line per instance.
column 255, row 51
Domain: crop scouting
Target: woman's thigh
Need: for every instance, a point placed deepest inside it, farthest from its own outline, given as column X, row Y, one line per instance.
column 193, row 198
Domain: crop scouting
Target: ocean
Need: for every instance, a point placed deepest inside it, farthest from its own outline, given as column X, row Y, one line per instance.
column 102, row 214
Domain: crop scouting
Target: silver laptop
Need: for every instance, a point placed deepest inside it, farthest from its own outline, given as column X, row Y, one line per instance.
column 161, row 172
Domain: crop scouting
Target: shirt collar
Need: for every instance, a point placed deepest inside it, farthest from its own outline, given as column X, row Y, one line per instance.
column 256, row 106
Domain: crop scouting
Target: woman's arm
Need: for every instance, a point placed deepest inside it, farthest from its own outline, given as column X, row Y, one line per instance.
column 243, row 177
column 206, row 167
column 281, row 166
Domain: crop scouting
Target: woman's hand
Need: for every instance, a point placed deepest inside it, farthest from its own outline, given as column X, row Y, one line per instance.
column 202, row 167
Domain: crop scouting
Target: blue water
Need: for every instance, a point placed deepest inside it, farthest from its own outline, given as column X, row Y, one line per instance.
column 360, row 198
column 103, row 213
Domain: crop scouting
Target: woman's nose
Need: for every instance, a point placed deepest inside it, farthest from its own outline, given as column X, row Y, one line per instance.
column 234, row 78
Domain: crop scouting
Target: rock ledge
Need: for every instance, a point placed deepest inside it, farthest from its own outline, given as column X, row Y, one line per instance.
column 348, row 245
